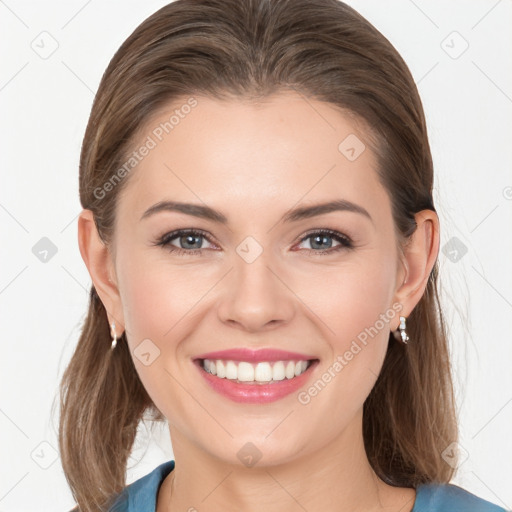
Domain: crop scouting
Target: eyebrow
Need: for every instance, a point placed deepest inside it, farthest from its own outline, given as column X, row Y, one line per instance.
column 294, row 215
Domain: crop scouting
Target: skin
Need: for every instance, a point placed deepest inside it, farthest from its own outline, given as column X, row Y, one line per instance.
column 253, row 163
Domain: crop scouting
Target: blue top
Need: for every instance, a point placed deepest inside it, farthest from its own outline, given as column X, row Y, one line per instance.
column 140, row 496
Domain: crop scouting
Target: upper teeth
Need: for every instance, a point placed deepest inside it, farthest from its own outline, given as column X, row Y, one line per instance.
column 259, row 372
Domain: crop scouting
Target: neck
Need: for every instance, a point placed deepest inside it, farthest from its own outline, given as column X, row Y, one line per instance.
column 338, row 476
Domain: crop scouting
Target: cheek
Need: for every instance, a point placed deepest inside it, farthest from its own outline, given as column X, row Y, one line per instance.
column 158, row 297
column 357, row 304
column 160, row 306
column 350, row 298
column 156, row 306
column 354, row 305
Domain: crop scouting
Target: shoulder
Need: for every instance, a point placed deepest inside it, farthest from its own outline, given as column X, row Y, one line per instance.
column 140, row 496
column 448, row 497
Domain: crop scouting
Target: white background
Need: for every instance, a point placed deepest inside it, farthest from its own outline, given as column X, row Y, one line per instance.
column 45, row 105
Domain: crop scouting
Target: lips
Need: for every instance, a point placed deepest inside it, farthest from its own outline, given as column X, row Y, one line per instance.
column 253, row 392
column 255, row 356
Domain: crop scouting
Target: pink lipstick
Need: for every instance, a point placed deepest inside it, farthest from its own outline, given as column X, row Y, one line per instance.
column 221, row 369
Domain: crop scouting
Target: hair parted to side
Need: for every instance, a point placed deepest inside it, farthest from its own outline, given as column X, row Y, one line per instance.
column 249, row 50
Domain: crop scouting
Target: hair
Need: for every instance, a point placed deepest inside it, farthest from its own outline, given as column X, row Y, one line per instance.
column 248, row 50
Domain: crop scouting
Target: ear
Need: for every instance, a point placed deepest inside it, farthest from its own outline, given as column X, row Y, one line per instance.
column 419, row 258
column 98, row 260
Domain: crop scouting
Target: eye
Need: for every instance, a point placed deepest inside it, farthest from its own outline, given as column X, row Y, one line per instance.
column 189, row 240
column 320, row 240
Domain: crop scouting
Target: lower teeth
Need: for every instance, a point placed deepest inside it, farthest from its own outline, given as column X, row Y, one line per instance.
column 254, row 381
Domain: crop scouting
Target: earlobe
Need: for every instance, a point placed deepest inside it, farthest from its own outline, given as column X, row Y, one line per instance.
column 420, row 255
column 98, row 261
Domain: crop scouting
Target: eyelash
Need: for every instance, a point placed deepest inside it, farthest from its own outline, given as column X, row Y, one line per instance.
column 345, row 242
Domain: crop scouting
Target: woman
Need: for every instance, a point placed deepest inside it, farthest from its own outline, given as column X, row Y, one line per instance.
column 260, row 231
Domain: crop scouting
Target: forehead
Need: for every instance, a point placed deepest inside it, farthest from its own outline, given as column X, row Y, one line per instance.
column 252, row 156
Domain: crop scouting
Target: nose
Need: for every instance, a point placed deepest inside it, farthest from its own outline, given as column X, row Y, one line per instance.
column 255, row 296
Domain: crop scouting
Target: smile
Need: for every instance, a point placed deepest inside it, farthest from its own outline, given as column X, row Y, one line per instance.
column 265, row 371
column 255, row 383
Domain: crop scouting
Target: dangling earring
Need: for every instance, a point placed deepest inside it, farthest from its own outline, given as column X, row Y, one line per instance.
column 401, row 334
column 114, row 341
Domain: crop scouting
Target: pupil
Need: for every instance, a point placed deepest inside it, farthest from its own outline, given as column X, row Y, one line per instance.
column 190, row 238
column 322, row 238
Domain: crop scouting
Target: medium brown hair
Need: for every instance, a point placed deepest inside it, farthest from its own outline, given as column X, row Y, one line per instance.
column 322, row 49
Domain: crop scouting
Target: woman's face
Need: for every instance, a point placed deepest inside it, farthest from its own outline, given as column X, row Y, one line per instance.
column 263, row 278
